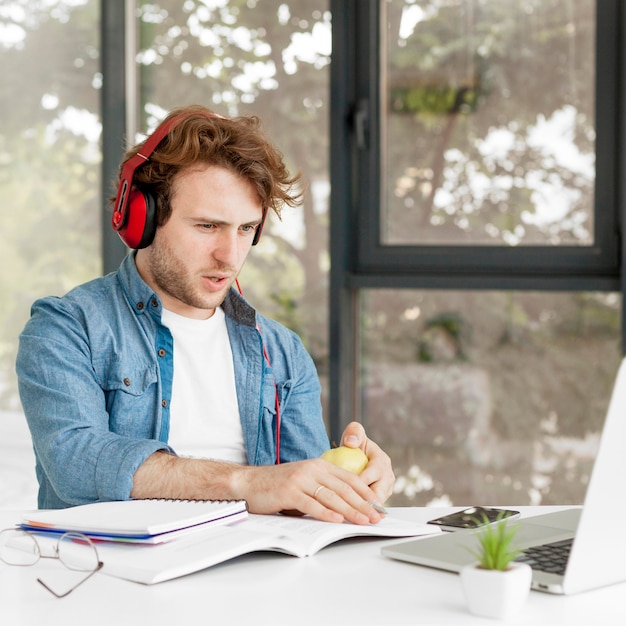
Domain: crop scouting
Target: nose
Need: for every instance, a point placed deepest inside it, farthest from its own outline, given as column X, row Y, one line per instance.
column 226, row 250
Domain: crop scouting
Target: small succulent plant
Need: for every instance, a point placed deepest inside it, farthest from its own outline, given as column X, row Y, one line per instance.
column 495, row 549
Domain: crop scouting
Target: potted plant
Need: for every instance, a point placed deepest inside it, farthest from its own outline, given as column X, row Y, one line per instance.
column 496, row 585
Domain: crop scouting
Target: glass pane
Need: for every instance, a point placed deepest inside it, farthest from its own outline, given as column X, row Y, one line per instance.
column 488, row 397
column 50, row 186
column 488, row 113
column 268, row 59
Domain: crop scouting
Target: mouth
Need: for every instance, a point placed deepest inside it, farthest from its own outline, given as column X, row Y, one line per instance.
column 217, row 281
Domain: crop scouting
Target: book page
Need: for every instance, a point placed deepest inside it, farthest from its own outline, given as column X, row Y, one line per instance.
column 304, row 536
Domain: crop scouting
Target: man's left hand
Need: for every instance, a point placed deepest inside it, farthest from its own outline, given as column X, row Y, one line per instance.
column 379, row 473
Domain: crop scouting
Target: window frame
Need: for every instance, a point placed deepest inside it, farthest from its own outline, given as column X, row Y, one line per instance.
column 116, row 15
column 577, row 267
column 360, row 261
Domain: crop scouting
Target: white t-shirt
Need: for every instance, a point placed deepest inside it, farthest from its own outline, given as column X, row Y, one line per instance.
column 204, row 413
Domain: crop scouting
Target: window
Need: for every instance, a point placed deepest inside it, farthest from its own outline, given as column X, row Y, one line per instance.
column 487, row 396
column 510, row 179
column 50, row 180
column 476, row 153
column 483, row 142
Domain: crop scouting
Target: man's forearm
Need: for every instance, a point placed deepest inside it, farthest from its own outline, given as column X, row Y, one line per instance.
column 164, row 475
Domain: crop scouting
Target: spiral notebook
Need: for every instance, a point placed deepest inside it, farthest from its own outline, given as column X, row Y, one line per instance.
column 137, row 521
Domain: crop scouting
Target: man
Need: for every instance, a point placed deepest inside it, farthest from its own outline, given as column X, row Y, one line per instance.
column 160, row 380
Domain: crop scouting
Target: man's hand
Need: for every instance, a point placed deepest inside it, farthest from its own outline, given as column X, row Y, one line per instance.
column 325, row 491
column 314, row 487
column 379, row 472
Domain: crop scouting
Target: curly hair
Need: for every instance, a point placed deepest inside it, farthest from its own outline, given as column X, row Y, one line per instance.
column 203, row 138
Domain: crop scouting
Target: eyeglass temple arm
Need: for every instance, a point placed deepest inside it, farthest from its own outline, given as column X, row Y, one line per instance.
column 78, row 584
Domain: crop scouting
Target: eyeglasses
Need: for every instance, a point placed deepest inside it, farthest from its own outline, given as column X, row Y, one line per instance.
column 74, row 550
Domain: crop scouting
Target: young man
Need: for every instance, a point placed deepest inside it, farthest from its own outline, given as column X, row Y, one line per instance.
column 160, row 380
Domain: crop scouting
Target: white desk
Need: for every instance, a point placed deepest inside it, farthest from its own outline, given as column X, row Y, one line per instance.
column 348, row 583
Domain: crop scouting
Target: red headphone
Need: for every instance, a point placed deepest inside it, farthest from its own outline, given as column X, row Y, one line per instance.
column 134, row 215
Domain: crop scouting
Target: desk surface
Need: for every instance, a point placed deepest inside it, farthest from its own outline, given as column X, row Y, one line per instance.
column 347, row 583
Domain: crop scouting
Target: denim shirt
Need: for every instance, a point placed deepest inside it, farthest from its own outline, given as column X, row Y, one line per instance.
column 95, row 371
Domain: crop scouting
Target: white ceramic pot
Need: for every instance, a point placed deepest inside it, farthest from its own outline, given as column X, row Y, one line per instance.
column 493, row 593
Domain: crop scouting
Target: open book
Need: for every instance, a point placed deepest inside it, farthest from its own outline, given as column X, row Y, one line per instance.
column 139, row 521
column 291, row 535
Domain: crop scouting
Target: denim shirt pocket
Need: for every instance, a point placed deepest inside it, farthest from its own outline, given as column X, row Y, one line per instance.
column 131, row 392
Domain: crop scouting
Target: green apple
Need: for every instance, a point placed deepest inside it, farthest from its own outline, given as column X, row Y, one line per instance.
column 352, row 459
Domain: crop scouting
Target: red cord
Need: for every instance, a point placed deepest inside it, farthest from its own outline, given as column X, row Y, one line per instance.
column 277, row 402
column 277, row 427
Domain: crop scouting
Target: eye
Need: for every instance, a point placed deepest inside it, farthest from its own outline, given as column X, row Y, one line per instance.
column 249, row 229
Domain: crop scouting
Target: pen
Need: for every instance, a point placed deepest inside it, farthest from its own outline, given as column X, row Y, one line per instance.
column 378, row 508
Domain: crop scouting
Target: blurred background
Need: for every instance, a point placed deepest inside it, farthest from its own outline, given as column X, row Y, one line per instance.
column 487, row 140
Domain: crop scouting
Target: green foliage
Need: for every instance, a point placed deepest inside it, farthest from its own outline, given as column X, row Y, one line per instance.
column 436, row 99
column 287, row 310
column 495, row 544
column 452, row 321
column 443, row 338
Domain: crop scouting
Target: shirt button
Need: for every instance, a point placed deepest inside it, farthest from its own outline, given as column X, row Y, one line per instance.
column 163, row 403
column 161, row 352
column 154, row 302
column 140, row 306
column 127, row 382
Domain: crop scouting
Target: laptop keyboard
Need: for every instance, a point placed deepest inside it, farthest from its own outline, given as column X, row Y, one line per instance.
column 551, row 557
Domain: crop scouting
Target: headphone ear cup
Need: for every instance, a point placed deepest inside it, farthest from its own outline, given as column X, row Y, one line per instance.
column 140, row 227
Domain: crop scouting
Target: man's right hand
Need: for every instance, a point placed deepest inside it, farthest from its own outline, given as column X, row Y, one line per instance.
column 314, row 487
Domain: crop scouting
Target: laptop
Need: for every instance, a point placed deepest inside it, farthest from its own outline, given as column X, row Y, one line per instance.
column 594, row 534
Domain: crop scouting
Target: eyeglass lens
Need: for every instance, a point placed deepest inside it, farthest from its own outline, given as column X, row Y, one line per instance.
column 18, row 547
column 77, row 552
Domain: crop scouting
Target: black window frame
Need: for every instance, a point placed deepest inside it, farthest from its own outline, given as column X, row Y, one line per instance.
column 360, row 261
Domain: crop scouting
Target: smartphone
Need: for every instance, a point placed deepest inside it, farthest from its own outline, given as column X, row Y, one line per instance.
column 472, row 518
